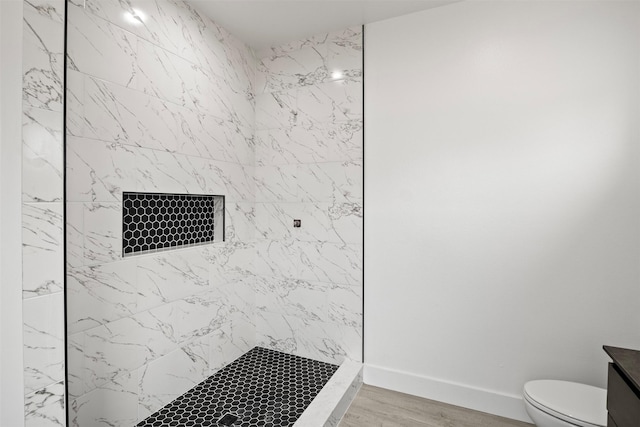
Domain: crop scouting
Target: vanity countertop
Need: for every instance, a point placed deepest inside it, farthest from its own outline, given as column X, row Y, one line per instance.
column 628, row 361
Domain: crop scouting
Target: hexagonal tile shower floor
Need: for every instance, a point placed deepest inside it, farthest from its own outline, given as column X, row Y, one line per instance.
column 261, row 388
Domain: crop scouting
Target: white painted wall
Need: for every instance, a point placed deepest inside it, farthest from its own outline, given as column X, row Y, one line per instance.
column 502, row 197
column 11, row 381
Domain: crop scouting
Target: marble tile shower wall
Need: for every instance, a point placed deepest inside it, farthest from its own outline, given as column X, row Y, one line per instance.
column 161, row 102
column 309, row 153
column 42, row 194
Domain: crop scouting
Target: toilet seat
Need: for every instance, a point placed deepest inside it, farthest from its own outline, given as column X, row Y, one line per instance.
column 578, row 404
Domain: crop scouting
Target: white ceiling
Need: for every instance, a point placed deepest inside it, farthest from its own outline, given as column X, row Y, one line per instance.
column 265, row 23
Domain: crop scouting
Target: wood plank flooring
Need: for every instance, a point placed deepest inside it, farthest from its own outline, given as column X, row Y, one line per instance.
column 377, row 407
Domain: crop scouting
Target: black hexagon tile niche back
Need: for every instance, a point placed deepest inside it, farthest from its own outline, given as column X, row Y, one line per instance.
column 263, row 387
column 154, row 222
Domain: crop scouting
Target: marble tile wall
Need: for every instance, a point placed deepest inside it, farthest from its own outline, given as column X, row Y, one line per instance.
column 42, row 207
column 157, row 102
column 308, row 156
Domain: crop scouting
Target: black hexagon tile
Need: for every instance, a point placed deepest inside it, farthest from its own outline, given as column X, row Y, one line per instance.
column 157, row 221
column 263, row 387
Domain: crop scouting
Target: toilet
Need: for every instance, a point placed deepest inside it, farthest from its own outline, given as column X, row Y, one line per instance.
column 553, row 403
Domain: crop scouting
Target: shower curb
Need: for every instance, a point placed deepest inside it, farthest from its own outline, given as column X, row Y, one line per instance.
column 330, row 405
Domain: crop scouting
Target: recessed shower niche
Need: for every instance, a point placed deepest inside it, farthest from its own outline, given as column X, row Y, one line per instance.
column 178, row 111
column 153, row 222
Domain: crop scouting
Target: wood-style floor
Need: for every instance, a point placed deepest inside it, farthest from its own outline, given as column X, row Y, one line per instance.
column 377, row 407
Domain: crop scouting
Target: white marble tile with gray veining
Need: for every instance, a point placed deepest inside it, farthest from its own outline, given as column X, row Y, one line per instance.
column 239, row 295
column 202, row 135
column 166, row 378
column 346, row 221
column 114, row 403
column 291, row 145
column 162, row 172
column 117, row 114
column 240, row 63
column 240, row 106
column 243, row 331
column 43, row 341
column 327, row 342
column 276, row 331
column 277, row 258
column 331, row 182
column 228, row 61
column 199, row 315
column 239, row 185
column 320, row 222
column 51, row 9
column 95, row 45
column 222, row 348
column 213, row 177
column 276, row 110
column 345, row 141
column 231, row 341
column 158, row 330
column 329, row 262
column 229, row 261
column 329, row 142
column 167, row 76
column 45, row 407
column 207, row 93
column 75, row 239
column 42, row 249
column 116, row 12
column 102, row 233
column 315, row 40
column 166, row 277
column 76, row 384
column 99, row 171
column 290, row 327
column 219, row 51
column 330, row 222
column 42, row 59
column 100, row 294
column 41, row 155
column 173, row 25
column 350, row 342
column 274, row 221
column 333, row 101
column 212, row 137
column 344, row 304
column 276, row 147
column 240, row 221
column 344, row 53
column 163, row 23
column 206, row 40
column 110, row 351
column 291, row 297
column 118, row 347
column 324, row 143
column 75, row 120
column 276, row 183
column 289, row 70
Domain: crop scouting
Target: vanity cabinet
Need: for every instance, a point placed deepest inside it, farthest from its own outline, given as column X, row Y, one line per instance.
column 623, row 387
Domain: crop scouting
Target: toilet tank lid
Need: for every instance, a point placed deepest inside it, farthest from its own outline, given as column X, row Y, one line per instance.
column 578, row 401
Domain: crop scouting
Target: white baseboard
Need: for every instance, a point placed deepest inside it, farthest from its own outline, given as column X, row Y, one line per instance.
column 492, row 402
